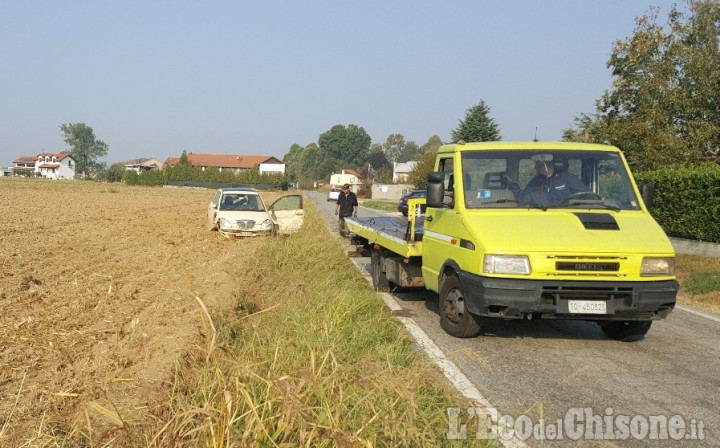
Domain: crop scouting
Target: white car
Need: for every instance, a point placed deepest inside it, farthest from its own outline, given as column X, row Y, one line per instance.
column 334, row 194
column 241, row 212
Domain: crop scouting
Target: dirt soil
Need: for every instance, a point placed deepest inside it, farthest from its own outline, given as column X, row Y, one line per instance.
column 99, row 289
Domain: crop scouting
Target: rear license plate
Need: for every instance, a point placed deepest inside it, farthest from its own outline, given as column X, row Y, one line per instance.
column 587, row 307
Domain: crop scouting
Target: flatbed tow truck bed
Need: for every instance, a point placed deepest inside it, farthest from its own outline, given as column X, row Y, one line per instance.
column 400, row 235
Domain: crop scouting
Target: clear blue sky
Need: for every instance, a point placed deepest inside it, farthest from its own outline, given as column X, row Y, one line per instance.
column 154, row 78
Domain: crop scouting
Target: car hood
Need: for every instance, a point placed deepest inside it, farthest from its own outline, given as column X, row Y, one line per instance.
column 567, row 232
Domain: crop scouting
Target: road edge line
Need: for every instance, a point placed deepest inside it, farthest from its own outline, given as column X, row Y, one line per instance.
column 697, row 313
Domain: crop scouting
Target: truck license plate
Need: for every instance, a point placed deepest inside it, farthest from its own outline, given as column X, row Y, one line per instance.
column 587, row 306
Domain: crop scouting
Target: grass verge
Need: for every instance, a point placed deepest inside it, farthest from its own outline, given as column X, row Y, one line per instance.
column 382, row 206
column 309, row 356
column 699, row 279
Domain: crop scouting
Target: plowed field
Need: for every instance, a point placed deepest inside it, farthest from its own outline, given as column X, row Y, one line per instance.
column 100, row 294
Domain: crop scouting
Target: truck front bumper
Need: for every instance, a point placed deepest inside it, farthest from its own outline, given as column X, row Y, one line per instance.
column 517, row 299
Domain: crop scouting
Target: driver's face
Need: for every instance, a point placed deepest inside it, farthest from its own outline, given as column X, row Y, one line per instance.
column 544, row 169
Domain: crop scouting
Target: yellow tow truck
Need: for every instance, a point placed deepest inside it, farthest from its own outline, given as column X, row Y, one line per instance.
column 527, row 230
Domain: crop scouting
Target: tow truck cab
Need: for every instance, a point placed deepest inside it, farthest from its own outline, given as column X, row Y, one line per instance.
column 504, row 238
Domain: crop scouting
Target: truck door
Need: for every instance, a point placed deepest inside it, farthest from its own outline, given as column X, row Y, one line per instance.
column 438, row 229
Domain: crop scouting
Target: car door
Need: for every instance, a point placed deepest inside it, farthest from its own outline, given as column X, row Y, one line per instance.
column 287, row 214
column 212, row 210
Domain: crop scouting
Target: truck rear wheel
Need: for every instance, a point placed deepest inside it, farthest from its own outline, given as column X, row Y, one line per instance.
column 380, row 282
column 626, row 331
column 455, row 319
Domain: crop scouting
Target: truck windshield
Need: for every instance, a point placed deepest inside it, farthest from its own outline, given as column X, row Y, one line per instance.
column 546, row 179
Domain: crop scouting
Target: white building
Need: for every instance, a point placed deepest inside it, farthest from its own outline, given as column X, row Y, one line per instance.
column 343, row 177
column 401, row 171
column 55, row 166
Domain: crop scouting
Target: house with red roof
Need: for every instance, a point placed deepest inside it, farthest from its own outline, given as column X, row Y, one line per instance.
column 234, row 163
column 48, row 165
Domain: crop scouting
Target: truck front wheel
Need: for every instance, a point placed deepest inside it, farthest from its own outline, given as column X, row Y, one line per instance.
column 455, row 319
column 626, row 331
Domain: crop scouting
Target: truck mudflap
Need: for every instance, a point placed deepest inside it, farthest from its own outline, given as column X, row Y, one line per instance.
column 577, row 300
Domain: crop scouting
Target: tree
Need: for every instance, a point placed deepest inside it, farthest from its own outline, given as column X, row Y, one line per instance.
column 344, row 147
column 378, row 160
column 115, row 173
column 292, row 162
column 477, row 126
column 184, row 159
column 426, row 164
column 398, row 150
column 409, row 152
column 85, row 147
column 664, row 105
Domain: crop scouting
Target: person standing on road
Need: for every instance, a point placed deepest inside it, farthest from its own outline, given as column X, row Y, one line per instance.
column 346, row 205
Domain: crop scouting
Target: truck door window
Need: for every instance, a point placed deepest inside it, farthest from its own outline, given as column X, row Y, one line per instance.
column 446, row 165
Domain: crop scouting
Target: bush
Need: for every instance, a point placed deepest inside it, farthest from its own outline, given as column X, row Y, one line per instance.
column 687, row 201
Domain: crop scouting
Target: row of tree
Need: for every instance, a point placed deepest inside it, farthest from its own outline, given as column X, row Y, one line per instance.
column 350, row 146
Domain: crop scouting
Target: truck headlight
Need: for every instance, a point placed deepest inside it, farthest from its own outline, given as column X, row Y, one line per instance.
column 657, row 267
column 501, row 264
column 266, row 224
column 224, row 223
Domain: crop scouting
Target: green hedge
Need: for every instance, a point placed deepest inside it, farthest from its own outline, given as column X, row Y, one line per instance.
column 210, row 175
column 687, row 201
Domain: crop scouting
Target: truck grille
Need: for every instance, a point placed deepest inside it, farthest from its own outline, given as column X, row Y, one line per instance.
column 587, row 266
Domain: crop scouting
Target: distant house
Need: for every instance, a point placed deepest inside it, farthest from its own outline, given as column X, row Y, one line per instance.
column 342, row 177
column 24, row 166
column 143, row 164
column 234, row 163
column 402, row 170
column 48, row 165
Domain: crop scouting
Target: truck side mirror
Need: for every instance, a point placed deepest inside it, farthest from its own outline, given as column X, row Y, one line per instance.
column 435, row 189
column 648, row 192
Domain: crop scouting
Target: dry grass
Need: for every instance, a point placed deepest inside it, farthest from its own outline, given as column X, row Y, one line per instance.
column 116, row 298
column 310, row 357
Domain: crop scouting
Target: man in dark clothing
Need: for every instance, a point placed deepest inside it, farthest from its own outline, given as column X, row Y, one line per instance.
column 550, row 186
column 345, row 206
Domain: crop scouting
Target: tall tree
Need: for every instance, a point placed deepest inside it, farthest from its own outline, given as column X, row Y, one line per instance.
column 292, row 162
column 85, row 148
column 345, row 146
column 477, row 126
column 664, row 105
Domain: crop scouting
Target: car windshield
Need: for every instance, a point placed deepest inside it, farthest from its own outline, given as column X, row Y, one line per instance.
column 242, row 201
column 546, row 179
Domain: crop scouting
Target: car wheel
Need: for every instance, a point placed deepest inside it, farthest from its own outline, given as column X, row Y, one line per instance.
column 379, row 281
column 455, row 319
column 626, row 331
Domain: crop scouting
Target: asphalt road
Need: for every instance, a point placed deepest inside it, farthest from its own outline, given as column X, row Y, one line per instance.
column 570, row 371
